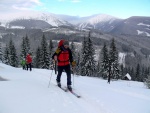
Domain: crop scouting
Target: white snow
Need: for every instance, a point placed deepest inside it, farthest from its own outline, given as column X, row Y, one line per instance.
column 122, row 58
column 101, row 18
column 128, row 76
column 2, row 24
column 28, row 92
column 45, row 16
column 143, row 24
column 17, row 27
column 147, row 28
column 141, row 32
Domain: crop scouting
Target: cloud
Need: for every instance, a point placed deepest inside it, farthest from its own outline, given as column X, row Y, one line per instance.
column 13, row 5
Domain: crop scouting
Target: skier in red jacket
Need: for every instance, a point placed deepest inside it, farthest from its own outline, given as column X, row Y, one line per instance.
column 63, row 57
column 29, row 61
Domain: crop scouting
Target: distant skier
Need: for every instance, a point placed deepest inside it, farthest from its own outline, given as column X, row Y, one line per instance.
column 23, row 64
column 63, row 57
column 29, row 61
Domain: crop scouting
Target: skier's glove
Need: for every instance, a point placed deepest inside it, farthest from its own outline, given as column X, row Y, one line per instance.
column 58, row 50
column 73, row 63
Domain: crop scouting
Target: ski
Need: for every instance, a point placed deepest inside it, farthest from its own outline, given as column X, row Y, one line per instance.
column 72, row 92
column 64, row 89
column 75, row 94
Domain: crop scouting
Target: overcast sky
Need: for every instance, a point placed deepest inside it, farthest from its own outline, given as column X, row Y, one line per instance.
column 118, row 8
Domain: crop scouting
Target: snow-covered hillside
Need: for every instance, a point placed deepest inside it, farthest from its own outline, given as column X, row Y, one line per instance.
column 50, row 18
column 102, row 22
column 28, row 92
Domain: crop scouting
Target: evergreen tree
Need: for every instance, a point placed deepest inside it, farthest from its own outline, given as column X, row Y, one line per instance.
column 12, row 54
column 37, row 58
column 74, row 54
column 83, row 58
column 132, row 73
column 23, row 49
column 122, row 71
column 51, row 51
column 147, row 82
column 104, row 61
column 113, row 63
column 51, row 47
column 6, row 56
column 1, row 53
column 138, row 72
column 90, row 63
column 44, row 54
column 27, row 44
column 73, row 49
column 78, row 64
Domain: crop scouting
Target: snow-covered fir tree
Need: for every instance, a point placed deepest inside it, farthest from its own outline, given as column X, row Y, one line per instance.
column 88, row 66
column 51, row 51
column 27, row 43
column 91, row 63
column 12, row 54
column 83, row 58
column 23, row 49
column 1, row 53
column 73, row 49
column 113, row 61
column 75, row 56
column 103, row 62
column 78, row 64
column 38, row 58
column 137, row 73
column 6, row 55
column 147, row 82
column 44, row 54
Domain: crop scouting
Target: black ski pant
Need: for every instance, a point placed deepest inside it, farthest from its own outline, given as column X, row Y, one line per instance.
column 29, row 66
column 68, row 72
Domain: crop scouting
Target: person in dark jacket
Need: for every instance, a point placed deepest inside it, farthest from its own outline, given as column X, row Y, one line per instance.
column 29, row 61
column 63, row 57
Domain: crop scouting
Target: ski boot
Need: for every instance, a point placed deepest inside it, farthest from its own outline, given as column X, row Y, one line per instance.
column 69, row 87
column 58, row 84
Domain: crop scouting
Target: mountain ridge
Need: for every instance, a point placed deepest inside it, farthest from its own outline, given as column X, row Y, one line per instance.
column 106, row 23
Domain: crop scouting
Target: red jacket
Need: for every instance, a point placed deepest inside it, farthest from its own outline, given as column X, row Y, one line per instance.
column 63, row 58
column 28, row 59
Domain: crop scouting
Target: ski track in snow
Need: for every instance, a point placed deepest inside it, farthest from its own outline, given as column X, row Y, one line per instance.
column 88, row 103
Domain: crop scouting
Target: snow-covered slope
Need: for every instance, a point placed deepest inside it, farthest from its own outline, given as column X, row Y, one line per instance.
column 136, row 25
column 28, row 92
column 50, row 18
column 101, row 21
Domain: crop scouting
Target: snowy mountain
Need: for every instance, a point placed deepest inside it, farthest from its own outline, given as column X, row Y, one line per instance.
column 134, row 26
column 101, row 22
column 27, row 92
column 36, row 17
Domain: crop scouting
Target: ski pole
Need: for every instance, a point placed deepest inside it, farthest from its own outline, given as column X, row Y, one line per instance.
column 73, row 75
column 51, row 76
column 55, row 67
